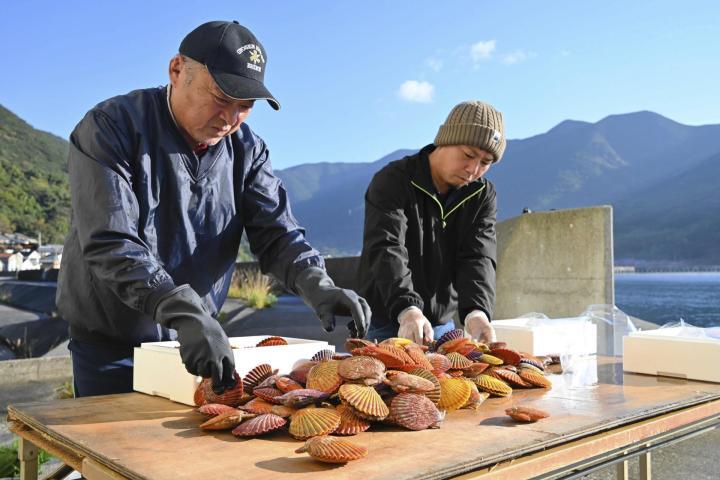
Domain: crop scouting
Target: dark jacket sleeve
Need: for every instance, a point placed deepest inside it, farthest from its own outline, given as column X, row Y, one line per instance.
column 384, row 241
column 275, row 236
column 476, row 261
column 105, row 212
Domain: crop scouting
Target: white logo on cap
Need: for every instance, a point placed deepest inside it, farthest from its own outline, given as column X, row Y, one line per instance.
column 256, row 56
column 496, row 136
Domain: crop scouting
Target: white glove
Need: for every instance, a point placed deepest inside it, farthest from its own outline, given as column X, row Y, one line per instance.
column 478, row 326
column 414, row 326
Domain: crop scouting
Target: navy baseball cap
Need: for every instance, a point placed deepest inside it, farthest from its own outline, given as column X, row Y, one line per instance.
column 234, row 58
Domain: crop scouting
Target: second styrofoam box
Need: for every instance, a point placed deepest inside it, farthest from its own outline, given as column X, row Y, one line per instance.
column 663, row 352
column 159, row 370
column 549, row 336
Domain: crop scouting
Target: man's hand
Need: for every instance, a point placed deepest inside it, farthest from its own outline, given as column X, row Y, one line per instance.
column 320, row 293
column 414, row 326
column 204, row 347
column 478, row 326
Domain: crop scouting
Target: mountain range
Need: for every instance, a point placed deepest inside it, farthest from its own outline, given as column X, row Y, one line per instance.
column 659, row 175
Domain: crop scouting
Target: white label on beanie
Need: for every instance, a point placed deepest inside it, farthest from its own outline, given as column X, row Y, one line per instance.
column 496, row 136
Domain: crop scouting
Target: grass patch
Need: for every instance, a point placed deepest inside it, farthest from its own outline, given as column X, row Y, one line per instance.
column 9, row 463
column 253, row 288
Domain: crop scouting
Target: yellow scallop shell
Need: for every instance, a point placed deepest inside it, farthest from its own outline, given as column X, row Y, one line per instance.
column 350, row 424
column 332, row 450
column 434, row 394
column 365, row 401
column 454, row 393
column 492, row 385
column 311, row 422
column 324, row 377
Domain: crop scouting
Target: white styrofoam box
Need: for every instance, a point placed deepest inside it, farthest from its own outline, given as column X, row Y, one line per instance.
column 548, row 337
column 662, row 352
column 159, row 371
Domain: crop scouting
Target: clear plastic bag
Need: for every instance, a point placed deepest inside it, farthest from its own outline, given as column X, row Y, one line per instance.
column 685, row 330
column 612, row 325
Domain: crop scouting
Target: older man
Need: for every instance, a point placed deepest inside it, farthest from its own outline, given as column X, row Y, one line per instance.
column 163, row 183
column 429, row 243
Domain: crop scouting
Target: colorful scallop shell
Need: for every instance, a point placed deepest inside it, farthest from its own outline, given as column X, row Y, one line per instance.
column 215, row 409
column 300, row 370
column 526, row 414
column 353, row 343
column 365, row 401
column 534, row 378
column 475, row 369
column 367, row 370
column 440, row 362
column 396, row 341
column 509, row 377
column 414, row 411
column 272, row 342
column 398, row 352
column 387, row 357
column 402, row 382
column 313, row 422
column 332, row 450
column 322, row 356
column 434, row 394
column 451, row 335
column 259, row 425
column 268, row 394
column 324, row 377
column 256, row 376
column 231, row 397
column 454, row 393
column 258, row 406
column 285, row 384
column 417, row 354
column 532, row 362
column 491, row 359
column 301, row 398
column 350, row 424
column 492, row 385
column 458, row 345
column 226, row 421
column 458, row 361
column 507, row 355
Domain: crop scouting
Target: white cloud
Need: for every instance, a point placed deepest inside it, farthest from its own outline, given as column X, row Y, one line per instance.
column 482, row 50
column 515, row 57
column 434, row 63
column 414, row 91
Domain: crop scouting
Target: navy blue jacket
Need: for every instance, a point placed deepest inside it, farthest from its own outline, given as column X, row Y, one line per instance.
column 148, row 215
column 420, row 252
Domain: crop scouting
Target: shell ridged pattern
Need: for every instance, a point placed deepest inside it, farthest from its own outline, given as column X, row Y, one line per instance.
column 285, row 384
column 258, row 406
column 312, row 422
column 282, row 411
column 388, row 358
column 455, row 345
column 414, row 411
column 300, row 370
column 402, row 382
column 509, row 377
column 492, row 385
column 350, row 424
column 322, row 356
column 440, row 362
column 365, row 401
column 324, row 377
column 271, row 342
column 417, row 354
column 532, row 363
column 353, row 343
column 474, row 356
column 454, row 393
column 332, row 450
column 475, row 369
column 259, row 425
column 398, row 352
column 458, row 361
column 231, row 397
column 451, row 335
column 396, row 341
column 491, row 359
column 268, row 393
column 215, row 409
column 255, row 376
column 361, row 367
column 534, row 378
column 199, row 395
column 526, row 414
column 507, row 355
column 223, row 421
column 434, row 394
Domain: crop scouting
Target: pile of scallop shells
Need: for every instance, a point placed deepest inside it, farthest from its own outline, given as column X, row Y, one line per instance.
column 396, row 382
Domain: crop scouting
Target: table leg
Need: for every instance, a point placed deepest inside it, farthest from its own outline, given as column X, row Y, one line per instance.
column 622, row 472
column 28, row 456
column 645, row 466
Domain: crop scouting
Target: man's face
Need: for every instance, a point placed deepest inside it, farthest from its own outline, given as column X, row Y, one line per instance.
column 201, row 109
column 458, row 165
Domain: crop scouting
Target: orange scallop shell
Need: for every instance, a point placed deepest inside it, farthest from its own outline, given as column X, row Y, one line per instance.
column 256, row 376
column 231, row 397
column 440, row 362
column 365, row 400
column 285, row 384
column 225, row 421
column 301, row 369
column 402, row 382
column 434, row 394
column 258, row 406
column 417, row 354
column 398, row 352
column 353, row 343
column 387, row 357
column 509, row 377
column 312, row 422
column 350, row 424
column 199, row 395
column 475, row 369
column 534, row 378
column 332, row 450
column 455, row 345
column 259, row 425
column 454, row 393
column 414, row 411
column 526, row 414
column 324, row 377
column 272, row 342
column 458, row 361
column 507, row 355
column 269, row 394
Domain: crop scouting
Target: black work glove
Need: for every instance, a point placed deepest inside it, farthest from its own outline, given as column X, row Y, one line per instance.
column 320, row 293
column 204, row 347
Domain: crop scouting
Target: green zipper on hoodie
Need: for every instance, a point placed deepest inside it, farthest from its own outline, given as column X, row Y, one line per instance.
column 443, row 215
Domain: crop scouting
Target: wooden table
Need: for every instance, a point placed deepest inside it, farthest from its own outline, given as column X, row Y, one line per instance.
column 142, row 437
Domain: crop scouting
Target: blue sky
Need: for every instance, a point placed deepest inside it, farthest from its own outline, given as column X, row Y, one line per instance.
column 358, row 80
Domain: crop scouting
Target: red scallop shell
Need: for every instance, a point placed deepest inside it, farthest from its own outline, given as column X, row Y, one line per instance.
column 231, row 397
column 285, row 384
column 215, row 409
column 257, row 375
column 268, row 393
column 271, row 342
column 258, row 406
column 507, row 355
column 414, row 411
column 440, row 362
column 259, row 425
column 322, row 356
column 350, row 424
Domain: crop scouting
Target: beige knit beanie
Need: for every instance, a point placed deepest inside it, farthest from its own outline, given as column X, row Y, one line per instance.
column 474, row 123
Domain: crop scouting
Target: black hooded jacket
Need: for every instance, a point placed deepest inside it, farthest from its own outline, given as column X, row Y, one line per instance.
column 419, row 251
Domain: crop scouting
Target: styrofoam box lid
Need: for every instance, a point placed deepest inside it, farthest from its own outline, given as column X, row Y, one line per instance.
column 672, row 333
column 235, row 342
column 531, row 323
